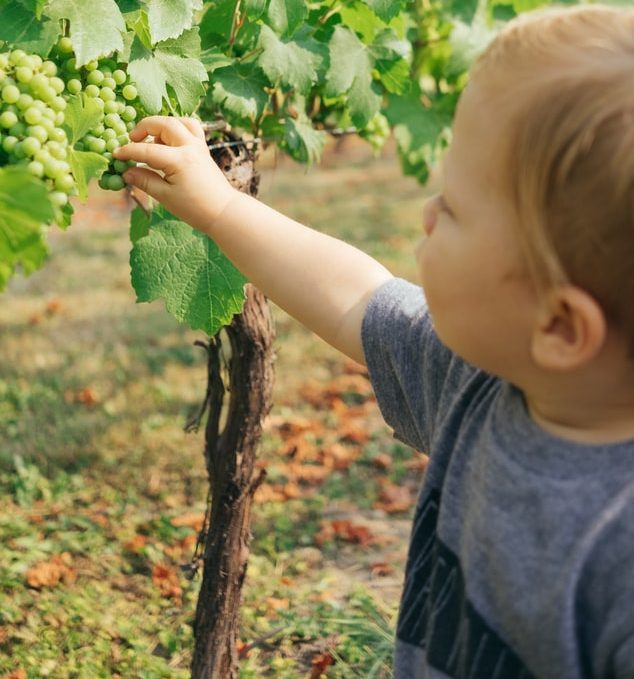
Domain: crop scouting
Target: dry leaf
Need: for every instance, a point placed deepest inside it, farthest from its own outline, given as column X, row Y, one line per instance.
column 418, row 463
column 54, row 306
column 16, row 674
column 165, row 578
column 276, row 604
column 381, row 569
column 193, row 520
column 344, row 530
column 88, row 396
column 382, row 461
column 136, row 543
column 393, row 498
column 320, row 664
column 51, row 573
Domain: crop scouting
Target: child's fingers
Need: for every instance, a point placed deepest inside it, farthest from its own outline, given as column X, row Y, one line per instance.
column 146, row 180
column 165, row 130
column 155, row 155
column 194, row 127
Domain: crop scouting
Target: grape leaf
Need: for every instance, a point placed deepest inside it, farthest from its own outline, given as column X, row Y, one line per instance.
column 82, row 114
column 286, row 16
column 139, row 224
column 240, row 90
column 154, row 70
column 302, row 141
column 216, row 24
column 464, row 10
column 288, row 62
column 20, row 26
column 85, row 166
column 386, row 9
column 198, row 283
column 96, row 26
column 419, row 132
column 350, row 73
column 169, row 18
column 24, row 208
column 392, row 59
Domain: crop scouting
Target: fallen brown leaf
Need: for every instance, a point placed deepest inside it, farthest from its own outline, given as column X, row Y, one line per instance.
column 193, row 520
column 51, row 573
column 320, row 664
column 165, row 578
column 393, row 498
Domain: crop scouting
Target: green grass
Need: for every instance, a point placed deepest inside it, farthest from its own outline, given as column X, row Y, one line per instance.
column 94, row 394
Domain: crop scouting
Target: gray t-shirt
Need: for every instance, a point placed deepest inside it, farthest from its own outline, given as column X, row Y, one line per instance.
column 521, row 560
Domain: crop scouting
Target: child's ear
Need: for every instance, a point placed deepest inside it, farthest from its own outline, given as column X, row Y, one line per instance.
column 570, row 330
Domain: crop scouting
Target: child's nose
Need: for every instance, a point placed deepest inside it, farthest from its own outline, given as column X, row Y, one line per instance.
column 430, row 215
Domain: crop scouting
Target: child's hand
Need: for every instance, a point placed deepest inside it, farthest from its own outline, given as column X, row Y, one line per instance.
column 191, row 185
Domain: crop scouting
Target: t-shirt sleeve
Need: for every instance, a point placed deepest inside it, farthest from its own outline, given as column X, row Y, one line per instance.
column 413, row 374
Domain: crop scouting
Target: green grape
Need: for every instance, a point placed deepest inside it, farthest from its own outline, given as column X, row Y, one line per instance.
column 10, row 94
column 70, row 66
column 120, row 166
column 112, row 120
column 15, row 56
column 39, row 133
column 65, row 45
column 38, row 82
column 74, row 86
column 116, row 182
column 103, row 181
column 48, row 68
column 57, row 84
column 92, row 91
column 107, row 94
column 97, row 145
column 111, row 107
column 59, row 198
column 92, row 65
column 95, row 77
column 31, row 146
column 36, row 168
column 32, row 115
column 8, row 119
column 24, row 101
column 65, row 183
column 9, row 143
column 18, row 130
column 119, row 77
column 23, row 74
column 120, row 128
column 112, row 144
column 129, row 114
column 58, row 135
column 56, row 149
column 129, row 92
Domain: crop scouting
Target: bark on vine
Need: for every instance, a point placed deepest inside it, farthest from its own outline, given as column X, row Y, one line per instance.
column 238, row 398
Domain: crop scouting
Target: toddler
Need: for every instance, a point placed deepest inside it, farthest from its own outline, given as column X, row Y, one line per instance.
column 514, row 368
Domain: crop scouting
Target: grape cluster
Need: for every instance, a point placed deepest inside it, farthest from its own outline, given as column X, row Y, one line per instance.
column 31, row 117
column 110, row 88
column 376, row 132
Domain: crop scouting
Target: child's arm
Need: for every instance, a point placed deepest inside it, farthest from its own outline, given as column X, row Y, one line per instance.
column 319, row 280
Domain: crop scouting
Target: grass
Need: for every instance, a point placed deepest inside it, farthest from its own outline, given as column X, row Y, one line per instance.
column 101, row 490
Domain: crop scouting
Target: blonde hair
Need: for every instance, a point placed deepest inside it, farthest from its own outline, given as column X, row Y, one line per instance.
column 565, row 77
